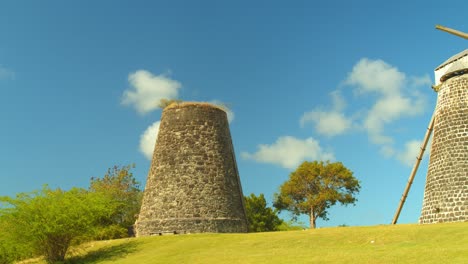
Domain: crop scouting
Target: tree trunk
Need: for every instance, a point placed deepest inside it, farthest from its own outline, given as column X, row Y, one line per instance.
column 312, row 218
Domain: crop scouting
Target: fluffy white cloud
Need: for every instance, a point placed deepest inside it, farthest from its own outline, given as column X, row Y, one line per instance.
column 229, row 112
column 388, row 109
column 329, row 123
column 146, row 90
column 376, row 76
column 148, row 140
column 6, row 73
column 289, row 152
column 387, row 82
column 396, row 96
column 409, row 154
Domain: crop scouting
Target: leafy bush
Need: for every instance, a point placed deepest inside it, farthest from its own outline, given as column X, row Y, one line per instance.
column 47, row 222
column 260, row 217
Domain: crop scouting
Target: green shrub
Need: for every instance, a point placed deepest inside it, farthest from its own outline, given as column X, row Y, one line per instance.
column 48, row 222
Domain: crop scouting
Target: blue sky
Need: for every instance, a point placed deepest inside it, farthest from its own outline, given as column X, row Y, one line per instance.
column 342, row 80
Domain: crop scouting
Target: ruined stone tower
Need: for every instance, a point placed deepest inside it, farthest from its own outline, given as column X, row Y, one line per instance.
column 193, row 183
column 446, row 192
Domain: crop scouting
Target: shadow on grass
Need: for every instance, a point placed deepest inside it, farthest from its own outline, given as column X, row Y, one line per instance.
column 108, row 253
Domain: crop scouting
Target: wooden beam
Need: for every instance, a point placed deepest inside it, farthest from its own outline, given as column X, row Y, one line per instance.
column 415, row 169
column 452, row 31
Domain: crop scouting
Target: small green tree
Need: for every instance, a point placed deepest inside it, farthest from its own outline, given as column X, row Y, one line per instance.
column 119, row 185
column 316, row 186
column 47, row 222
column 260, row 217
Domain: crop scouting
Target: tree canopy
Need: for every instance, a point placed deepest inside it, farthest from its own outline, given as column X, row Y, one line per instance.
column 316, row 186
column 260, row 217
column 119, row 185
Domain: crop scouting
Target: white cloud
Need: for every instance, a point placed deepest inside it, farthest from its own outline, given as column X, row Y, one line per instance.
column 421, row 81
column 339, row 102
column 329, row 123
column 376, row 76
column 392, row 104
column 409, row 154
column 411, row 151
column 229, row 112
column 289, row 152
column 388, row 109
column 395, row 96
column 148, row 140
column 146, row 90
column 6, row 74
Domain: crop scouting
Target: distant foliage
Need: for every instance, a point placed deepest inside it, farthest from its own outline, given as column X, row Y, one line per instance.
column 261, row 218
column 48, row 222
column 120, row 186
column 316, row 186
column 291, row 225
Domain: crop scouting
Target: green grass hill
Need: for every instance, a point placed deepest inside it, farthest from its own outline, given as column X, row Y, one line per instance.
column 437, row 243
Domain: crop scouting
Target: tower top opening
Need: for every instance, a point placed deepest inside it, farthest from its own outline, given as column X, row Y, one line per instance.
column 455, row 65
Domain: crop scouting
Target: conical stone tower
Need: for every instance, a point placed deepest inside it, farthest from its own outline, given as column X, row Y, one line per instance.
column 193, row 184
column 446, row 192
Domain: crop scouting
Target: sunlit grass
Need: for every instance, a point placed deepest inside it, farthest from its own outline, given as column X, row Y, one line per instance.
column 438, row 243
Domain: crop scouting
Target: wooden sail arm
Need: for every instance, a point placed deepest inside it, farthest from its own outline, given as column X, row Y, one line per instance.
column 453, row 31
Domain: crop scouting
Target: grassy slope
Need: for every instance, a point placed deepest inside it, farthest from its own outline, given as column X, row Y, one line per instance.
column 439, row 243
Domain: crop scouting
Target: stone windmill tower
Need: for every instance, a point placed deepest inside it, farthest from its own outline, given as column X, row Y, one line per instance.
column 193, row 183
column 446, row 192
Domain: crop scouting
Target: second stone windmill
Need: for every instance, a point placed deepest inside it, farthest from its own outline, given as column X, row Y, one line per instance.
column 446, row 191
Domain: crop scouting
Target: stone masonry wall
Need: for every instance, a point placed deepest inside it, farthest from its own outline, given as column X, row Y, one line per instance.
column 446, row 192
column 193, row 184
